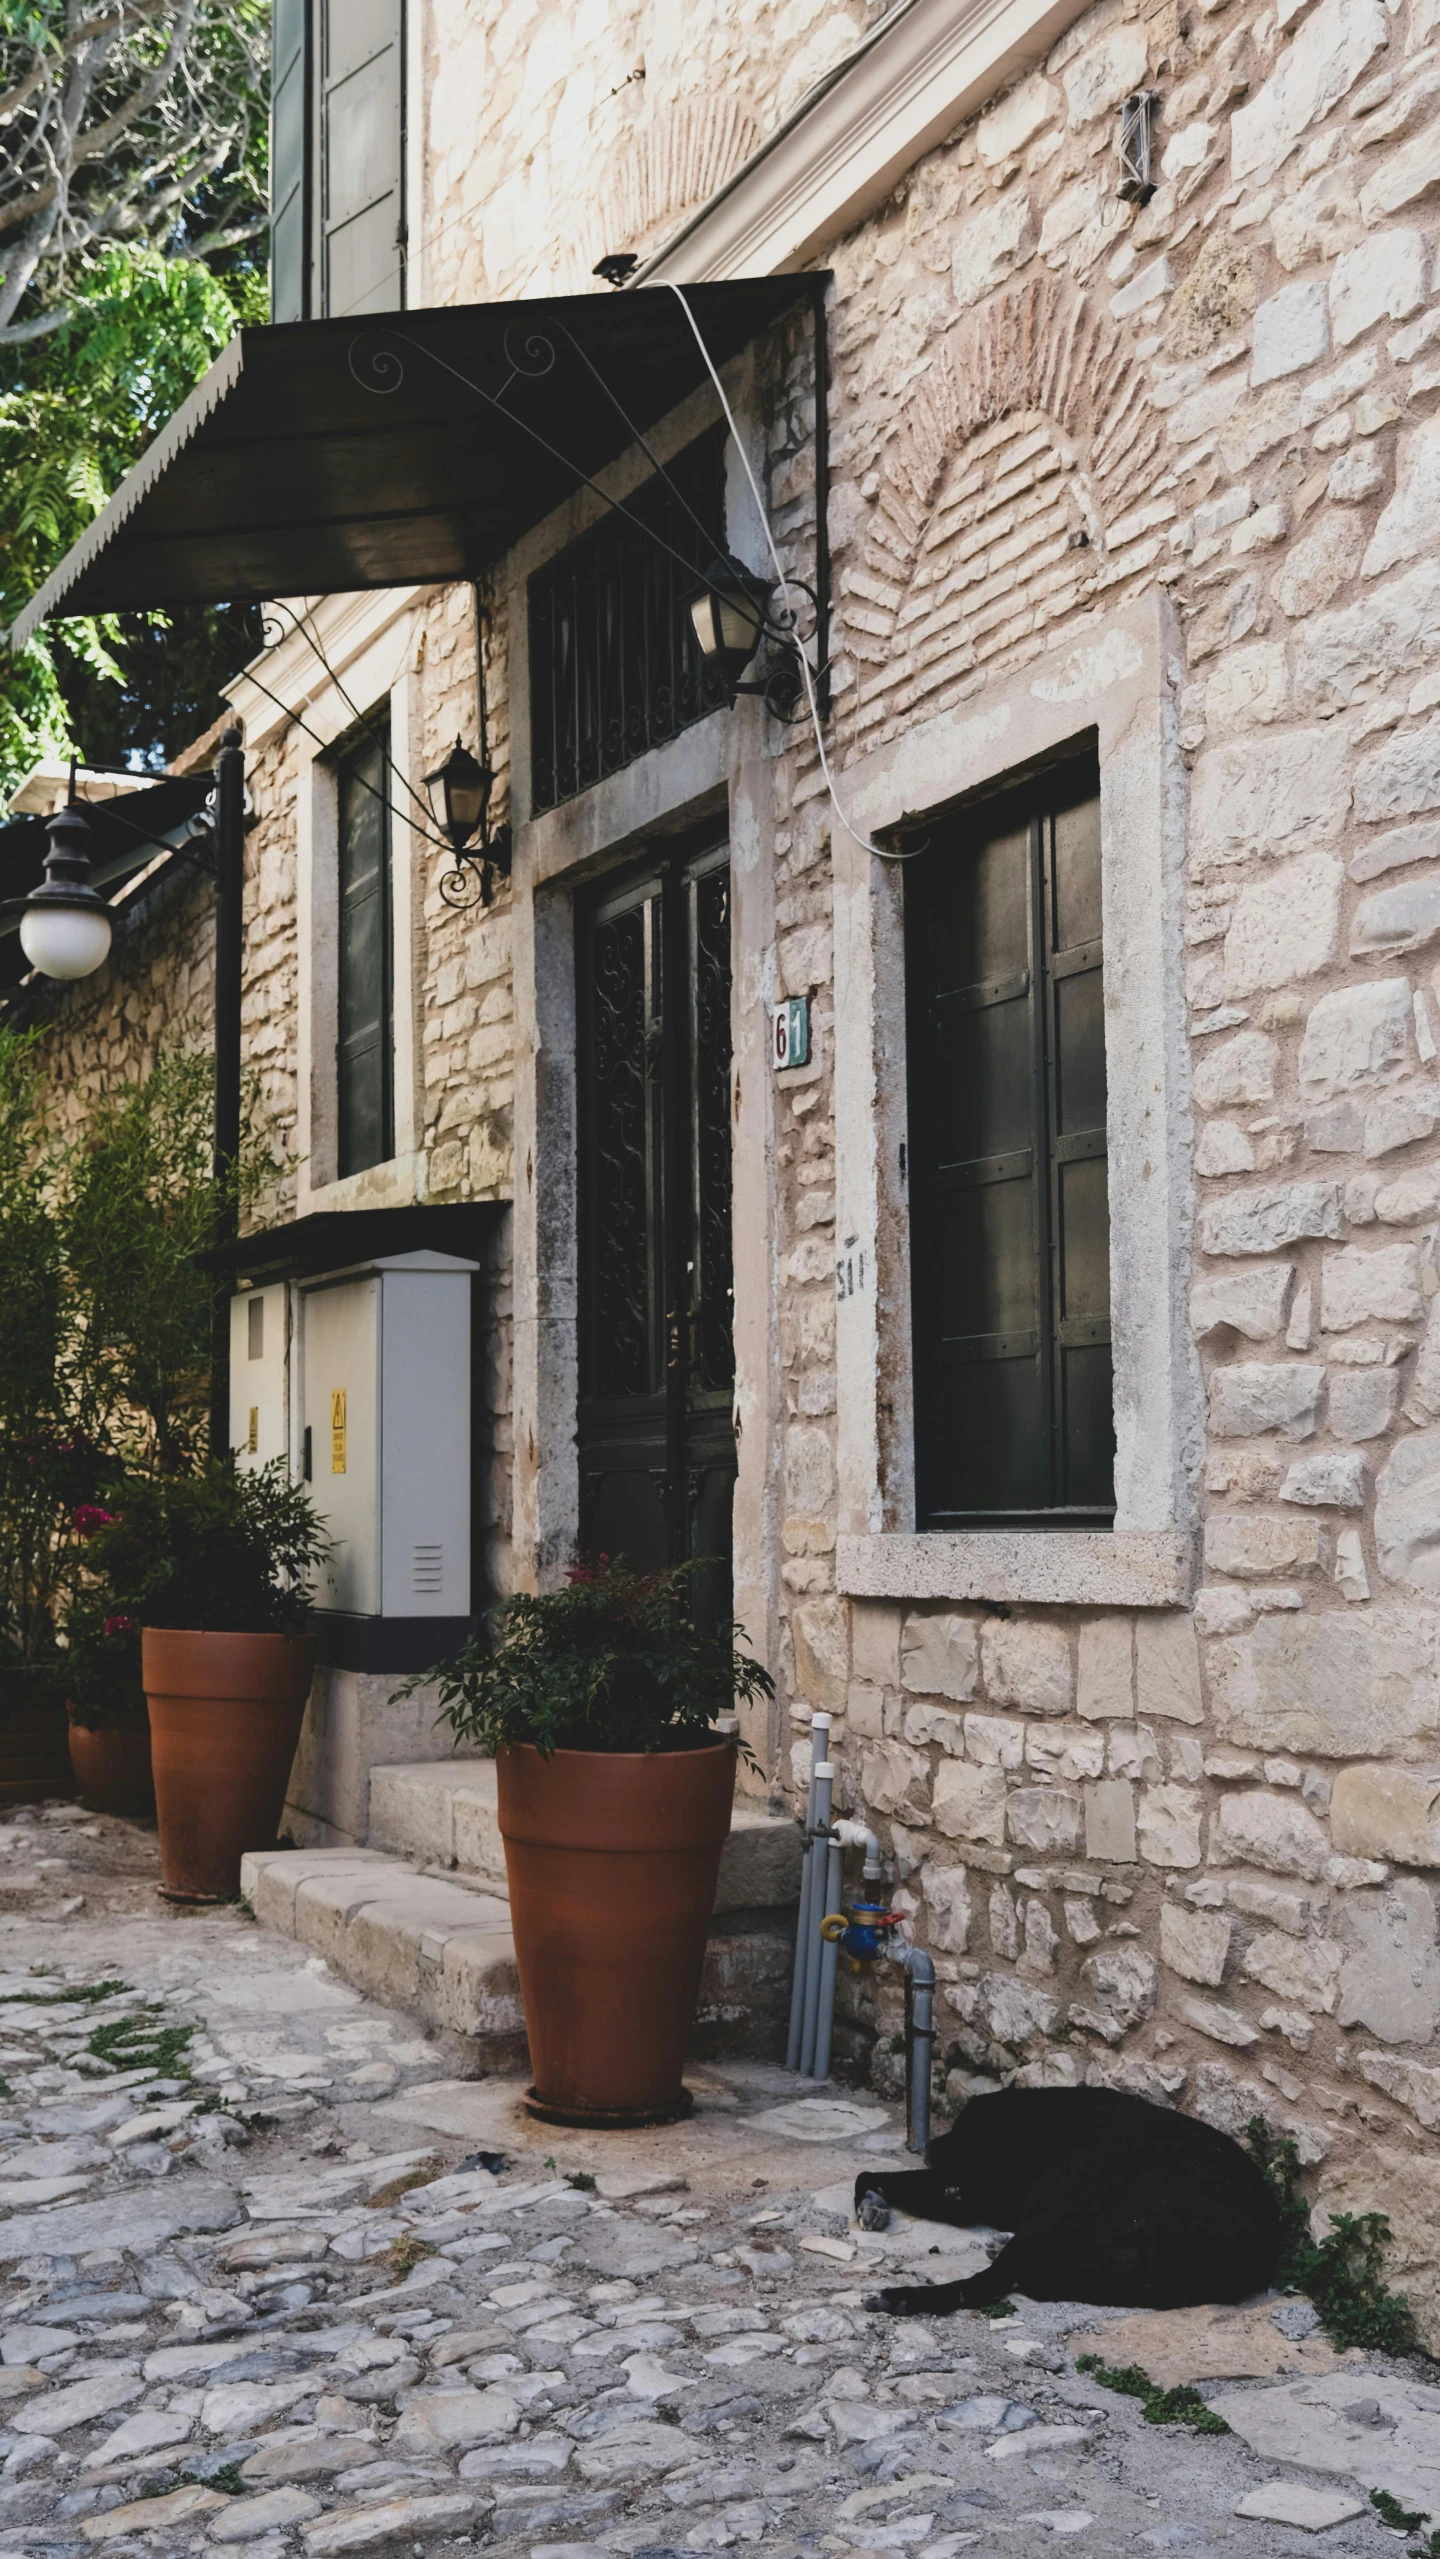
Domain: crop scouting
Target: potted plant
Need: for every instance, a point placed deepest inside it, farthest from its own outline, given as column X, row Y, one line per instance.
column 214, row 1569
column 104, row 1698
column 600, row 1703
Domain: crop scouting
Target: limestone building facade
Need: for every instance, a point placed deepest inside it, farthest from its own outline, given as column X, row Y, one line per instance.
column 1086, row 1468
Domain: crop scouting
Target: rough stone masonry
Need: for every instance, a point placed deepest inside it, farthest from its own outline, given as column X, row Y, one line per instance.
column 1192, row 1849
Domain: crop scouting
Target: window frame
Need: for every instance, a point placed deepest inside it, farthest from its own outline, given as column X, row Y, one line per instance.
column 375, row 735
column 1027, row 806
column 1118, row 677
column 309, row 180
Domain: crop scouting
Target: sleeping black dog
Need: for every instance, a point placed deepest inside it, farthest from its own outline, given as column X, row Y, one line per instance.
column 1110, row 2199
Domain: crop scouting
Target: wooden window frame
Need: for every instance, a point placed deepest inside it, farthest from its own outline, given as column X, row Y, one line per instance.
column 314, row 293
column 1028, row 808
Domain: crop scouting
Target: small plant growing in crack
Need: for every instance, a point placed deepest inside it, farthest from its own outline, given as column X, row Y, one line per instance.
column 1343, row 2272
column 1182, row 2406
column 1390, row 2511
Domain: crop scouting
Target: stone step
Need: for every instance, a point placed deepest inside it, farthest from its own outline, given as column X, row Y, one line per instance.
column 443, row 1950
column 443, row 1813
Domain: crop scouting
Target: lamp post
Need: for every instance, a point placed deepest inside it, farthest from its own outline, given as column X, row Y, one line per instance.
column 66, row 931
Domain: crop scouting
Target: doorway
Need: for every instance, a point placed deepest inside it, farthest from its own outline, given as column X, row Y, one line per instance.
column 657, row 1361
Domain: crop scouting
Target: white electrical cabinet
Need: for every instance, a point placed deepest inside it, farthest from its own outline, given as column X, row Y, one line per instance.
column 382, row 1369
column 260, row 1375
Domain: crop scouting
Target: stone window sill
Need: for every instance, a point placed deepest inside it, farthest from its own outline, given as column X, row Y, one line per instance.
column 1058, row 1568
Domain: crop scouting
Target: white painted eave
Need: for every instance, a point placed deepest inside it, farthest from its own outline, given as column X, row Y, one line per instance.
column 916, row 76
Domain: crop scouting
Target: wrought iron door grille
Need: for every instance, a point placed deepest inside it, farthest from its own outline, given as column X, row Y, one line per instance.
column 614, row 665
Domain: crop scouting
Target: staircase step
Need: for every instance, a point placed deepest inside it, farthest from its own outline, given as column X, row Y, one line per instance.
column 443, row 1950
column 443, row 1813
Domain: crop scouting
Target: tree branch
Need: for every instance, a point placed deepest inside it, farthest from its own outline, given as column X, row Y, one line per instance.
column 106, row 22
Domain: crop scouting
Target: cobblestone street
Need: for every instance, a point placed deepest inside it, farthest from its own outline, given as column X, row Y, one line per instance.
column 277, row 2275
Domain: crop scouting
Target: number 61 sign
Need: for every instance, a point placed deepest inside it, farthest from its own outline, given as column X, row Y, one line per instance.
column 790, row 1044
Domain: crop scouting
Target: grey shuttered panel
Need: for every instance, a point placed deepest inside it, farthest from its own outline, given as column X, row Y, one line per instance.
column 362, row 168
column 365, row 1041
column 1010, row 1226
column 289, row 124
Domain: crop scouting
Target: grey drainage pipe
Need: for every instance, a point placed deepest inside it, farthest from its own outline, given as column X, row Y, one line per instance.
column 919, row 2043
column 808, row 1924
column 824, row 1783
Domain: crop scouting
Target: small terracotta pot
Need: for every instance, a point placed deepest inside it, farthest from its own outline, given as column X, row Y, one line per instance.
column 34, row 1762
column 225, row 1716
column 613, row 1859
column 112, row 1766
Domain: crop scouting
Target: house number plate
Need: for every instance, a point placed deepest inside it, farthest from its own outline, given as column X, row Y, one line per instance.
column 791, row 1042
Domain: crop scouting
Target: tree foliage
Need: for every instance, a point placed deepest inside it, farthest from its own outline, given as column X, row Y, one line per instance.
column 140, row 122
column 132, row 213
column 105, row 1347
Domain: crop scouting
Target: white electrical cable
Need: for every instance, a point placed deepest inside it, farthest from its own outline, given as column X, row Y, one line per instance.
column 881, row 852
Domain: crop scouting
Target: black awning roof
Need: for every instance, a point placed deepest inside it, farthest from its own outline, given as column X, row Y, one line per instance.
column 126, row 833
column 334, row 1239
column 336, row 454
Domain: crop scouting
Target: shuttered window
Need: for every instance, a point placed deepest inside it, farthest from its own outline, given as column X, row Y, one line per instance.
column 337, row 158
column 1010, row 1224
column 289, row 125
column 362, row 119
column 365, row 1043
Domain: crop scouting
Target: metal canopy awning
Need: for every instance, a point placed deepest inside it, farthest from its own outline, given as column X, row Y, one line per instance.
column 401, row 450
column 127, row 833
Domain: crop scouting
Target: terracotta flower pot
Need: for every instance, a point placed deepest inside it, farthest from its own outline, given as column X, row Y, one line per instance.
column 34, row 1762
column 112, row 1766
column 225, row 1715
column 612, row 1859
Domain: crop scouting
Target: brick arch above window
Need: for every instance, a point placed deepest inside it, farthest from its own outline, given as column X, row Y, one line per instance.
column 1007, row 502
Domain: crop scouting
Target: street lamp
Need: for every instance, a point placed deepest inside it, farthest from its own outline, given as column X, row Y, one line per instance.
column 465, row 786
column 65, row 924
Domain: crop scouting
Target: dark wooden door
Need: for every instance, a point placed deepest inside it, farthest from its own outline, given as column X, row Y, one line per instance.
column 657, row 1362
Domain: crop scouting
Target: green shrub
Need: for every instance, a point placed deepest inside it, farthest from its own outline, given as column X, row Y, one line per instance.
column 613, row 1661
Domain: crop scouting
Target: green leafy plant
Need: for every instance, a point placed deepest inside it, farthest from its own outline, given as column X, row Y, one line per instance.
column 1182, row 2406
column 139, row 1206
column 612, row 1662
column 143, row 2043
column 227, row 1551
column 1391, row 2512
column 84, row 1994
column 1342, row 2273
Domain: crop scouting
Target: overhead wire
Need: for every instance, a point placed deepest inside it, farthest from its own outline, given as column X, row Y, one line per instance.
column 882, row 852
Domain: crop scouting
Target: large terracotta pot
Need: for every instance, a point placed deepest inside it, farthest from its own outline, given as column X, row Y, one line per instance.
column 613, row 1859
column 34, row 1761
column 112, row 1766
column 225, row 1715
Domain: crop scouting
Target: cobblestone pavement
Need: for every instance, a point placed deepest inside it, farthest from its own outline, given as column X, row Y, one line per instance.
column 267, row 2283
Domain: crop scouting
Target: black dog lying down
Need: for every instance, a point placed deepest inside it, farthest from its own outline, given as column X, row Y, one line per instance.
column 1110, row 2199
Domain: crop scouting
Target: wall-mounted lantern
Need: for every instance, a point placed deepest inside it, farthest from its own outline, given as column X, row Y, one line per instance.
column 1137, row 141
column 465, row 786
column 731, row 613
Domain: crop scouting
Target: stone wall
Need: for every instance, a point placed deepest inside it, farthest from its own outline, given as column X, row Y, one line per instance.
column 1190, row 1852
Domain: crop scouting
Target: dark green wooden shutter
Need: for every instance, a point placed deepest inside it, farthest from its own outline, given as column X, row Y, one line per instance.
column 289, row 126
column 1010, row 1230
column 362, row 168
column 365, row 1046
